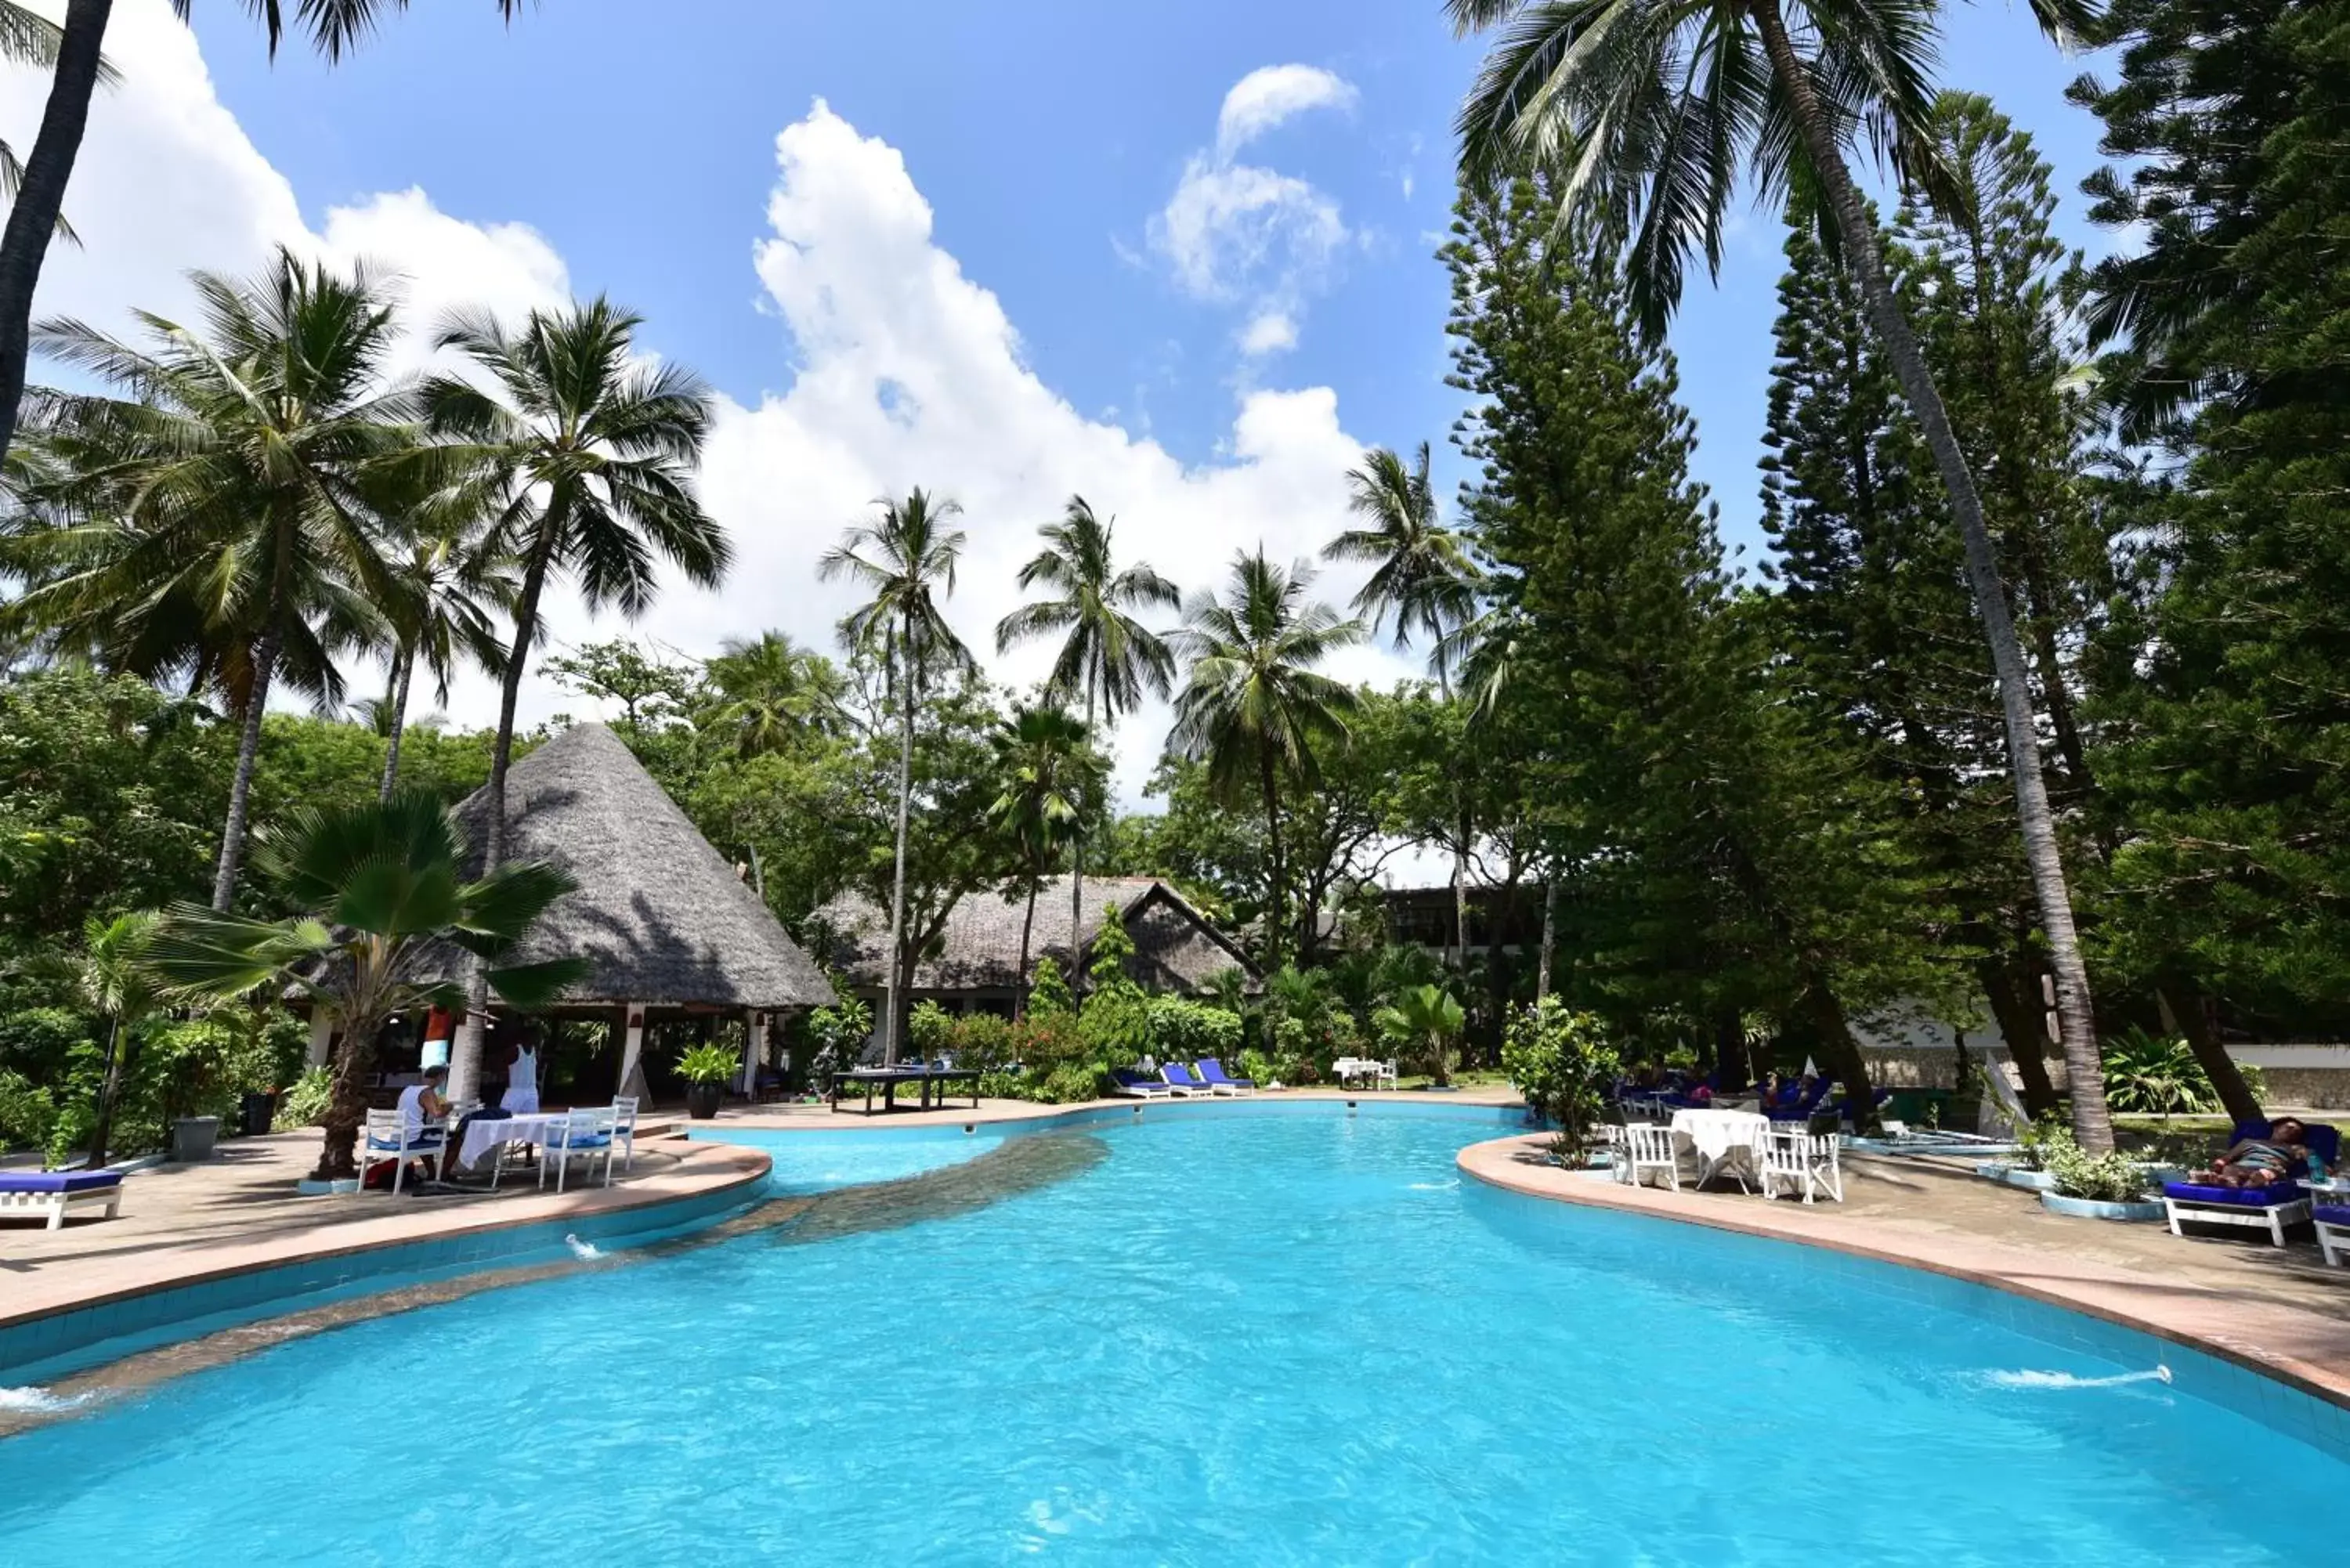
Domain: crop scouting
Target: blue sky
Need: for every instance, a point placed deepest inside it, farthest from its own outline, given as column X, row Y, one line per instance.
column 1044, row 136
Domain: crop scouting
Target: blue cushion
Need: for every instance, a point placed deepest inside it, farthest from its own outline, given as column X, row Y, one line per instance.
column 2332, row 1213
column 588, row 1140
column 57, row 1181
column 2243, row 1197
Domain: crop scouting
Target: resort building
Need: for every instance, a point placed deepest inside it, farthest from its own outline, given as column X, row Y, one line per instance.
column 670, row 930
column 971, row 963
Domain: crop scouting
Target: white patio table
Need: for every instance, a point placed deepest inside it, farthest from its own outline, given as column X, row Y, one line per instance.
column 1728, row 1143
column 484, row 1137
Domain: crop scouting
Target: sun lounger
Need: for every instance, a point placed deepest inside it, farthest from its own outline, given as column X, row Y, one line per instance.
column 1211, row 1073
column 2270, row 1209
column 1135, row 1087
column 2333, row 1222
column 1179, row 1079
column 52, row 1194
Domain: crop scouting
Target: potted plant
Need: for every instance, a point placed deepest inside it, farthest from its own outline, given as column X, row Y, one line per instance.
column 706, row 1069
column 2032, row 1172
column 2095, row 1186
column 1562, row 1062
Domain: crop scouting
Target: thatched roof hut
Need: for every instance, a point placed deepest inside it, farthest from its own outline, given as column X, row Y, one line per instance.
column 975, row 958
column 661, row 918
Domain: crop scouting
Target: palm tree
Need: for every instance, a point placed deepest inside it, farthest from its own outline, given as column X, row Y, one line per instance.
column 1049, row 771
column 772, row 690
column 595, row 451
column 383, row 887
column 76, row 71
column 231, row 527
column 1424, row 1016
column 454, row 587
column 1646, row 109
column 1422, row 581
column 29, row 38
column 1106, row 656
column 116, row 983
column 906, row 556
column 1252, row 708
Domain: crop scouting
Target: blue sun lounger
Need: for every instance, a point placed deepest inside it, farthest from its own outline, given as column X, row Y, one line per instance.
column 1135, row 1086
column 1211, row 1073
column 1179, row 1079
column 2270, row 1208
column 50, row 1194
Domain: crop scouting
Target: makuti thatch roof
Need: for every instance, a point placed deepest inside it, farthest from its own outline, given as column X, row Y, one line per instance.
column 659, row 916
column 1176, row 948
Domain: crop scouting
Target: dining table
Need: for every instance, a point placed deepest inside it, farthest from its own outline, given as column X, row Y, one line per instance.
column 484, row 1135
column 1727, row 1142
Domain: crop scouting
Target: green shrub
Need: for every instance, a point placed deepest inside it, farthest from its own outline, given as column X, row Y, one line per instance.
column 840, row 1031
column 1070, row 1081
column 2149, row 1074
column 981, row 1039
column 1562, row 1063
column 28, row 1112
column 2104, row 1178
column 1265, row 1070
column 1042, row 1043
column 305, row 1102
column 36, row 1042
column 1048, row 990
column 928, row 1029
column 1187, row 1031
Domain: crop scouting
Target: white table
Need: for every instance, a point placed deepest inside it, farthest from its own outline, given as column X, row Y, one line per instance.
column 485, row 1138
column 1724, row 1140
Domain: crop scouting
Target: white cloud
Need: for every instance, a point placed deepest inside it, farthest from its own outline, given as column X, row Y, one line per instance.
column 1269, row 96
column 1270, row 333
column 1241, row 233
column 908, row 372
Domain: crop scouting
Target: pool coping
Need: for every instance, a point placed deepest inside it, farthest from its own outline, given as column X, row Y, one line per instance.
column 704, row 1171
column 2269, row 1339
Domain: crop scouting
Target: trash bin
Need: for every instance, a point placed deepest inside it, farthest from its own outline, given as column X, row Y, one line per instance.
column 258, row 1110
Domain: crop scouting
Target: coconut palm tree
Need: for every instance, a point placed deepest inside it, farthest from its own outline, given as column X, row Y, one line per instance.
column 1252, row 708
column 1049, row 773
column 1424, row 1017
column 29, row 38
column 906, row 558
column 116, row 983
column 230, row 513
column 1645, row 110
column 1422, row 582
column 76, row 71
column 1106, row 656
column 594, row 451
column 770, row 689
column 383, row 887
column 454, row 583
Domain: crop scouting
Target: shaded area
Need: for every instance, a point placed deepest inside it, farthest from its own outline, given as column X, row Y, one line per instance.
column 1019, row 1166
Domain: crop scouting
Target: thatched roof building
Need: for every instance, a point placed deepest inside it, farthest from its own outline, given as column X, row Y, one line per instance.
column 975, row 958
column 661, row 918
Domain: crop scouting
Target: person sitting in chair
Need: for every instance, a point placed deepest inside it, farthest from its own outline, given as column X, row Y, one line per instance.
column 420, row 1104
column 2261, row 1161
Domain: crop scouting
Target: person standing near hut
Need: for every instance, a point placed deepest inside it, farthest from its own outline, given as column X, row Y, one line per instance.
column 520, row 1097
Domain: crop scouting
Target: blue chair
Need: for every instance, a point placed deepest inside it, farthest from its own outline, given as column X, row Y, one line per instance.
column 1135, row 1085
column 1211, row 1073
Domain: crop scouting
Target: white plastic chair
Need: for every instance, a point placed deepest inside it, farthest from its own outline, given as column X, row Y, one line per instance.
column 2333, row 1240
column 1651, row 1148
column 1801, row 1161
column 586, row 1133
column 384, row 1138
column 1384, row 1075
column 624, row 1131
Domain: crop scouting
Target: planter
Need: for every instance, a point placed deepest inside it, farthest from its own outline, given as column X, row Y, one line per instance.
column 2017, row 1175
column 254, row 1111
column 306, row 1187
column 702, row 1100
column 2095, row 1208
column 193, row 1138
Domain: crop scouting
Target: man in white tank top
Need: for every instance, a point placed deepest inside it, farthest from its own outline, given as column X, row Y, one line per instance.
column 521, row 1080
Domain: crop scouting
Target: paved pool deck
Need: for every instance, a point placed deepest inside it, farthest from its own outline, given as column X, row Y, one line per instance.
column 2275, row 1310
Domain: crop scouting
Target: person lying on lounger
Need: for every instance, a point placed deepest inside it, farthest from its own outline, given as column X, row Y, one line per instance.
column 2261, row 1161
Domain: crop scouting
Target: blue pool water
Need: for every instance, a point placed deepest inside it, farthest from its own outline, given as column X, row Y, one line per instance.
column 1241, row 1339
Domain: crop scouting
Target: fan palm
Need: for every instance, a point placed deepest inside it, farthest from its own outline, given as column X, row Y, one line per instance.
column 230, row 521
column 1424, row 1017
column 1252, row 707
column 770, row 689
column 384, row 892
column 1106, row 656
column 594, row 453
column 115, row 982
column 1423, row 582
column 1049, row 772
column 76, row 69
column 1645, row 110
column 906, row 559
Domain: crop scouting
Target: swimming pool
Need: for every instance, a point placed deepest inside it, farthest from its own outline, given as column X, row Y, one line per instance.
column 1208, row 1338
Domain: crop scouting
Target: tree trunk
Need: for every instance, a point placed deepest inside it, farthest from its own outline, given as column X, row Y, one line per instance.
column 110, row 1093
column 346, row 1106
column 2019, row 1024
column 248, row 752
column 404, row 668
column 33, row 218
column 895, row 989
column 1733, row 1069
column 465, row 1056
column 2194, row 1015
column 1076, row 976
column 1275, row 919
column 1027, row 923
column 2091, row 1125
column 1549, row 934
column 1845, row 1062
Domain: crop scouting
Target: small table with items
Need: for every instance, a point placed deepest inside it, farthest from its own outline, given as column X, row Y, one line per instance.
column 886, row 1080
column 1728, row 1143
column 490, row 1136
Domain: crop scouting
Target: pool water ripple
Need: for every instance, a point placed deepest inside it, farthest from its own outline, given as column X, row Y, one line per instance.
column 1275, row 1340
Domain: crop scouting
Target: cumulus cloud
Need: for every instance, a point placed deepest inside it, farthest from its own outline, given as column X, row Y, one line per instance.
column 907, row 371
column 1268, row 333
column 1271, row 95
column 1238, row 233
